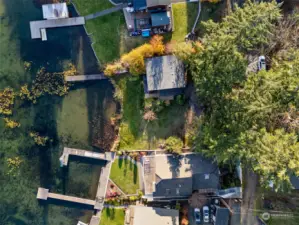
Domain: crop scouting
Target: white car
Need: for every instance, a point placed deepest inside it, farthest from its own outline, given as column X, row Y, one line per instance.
column 197, row 215
column 206, row 216
column 262, row 63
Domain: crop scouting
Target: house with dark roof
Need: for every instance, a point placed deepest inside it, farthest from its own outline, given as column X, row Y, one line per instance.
column 295, row 182
column 165, row 77
column 148, row 17
column 142, row 215
column 176, row 177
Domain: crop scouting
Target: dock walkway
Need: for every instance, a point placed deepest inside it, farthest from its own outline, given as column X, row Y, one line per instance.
column 64, row 159
column 36, row 26
column 44, row 194
column 106, row 11
column 100, row 76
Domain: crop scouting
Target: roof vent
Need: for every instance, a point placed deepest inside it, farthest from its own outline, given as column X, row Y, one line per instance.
column 207, row 176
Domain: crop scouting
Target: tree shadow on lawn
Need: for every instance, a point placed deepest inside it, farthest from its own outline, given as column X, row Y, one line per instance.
column 110, row 213
column 133, row 104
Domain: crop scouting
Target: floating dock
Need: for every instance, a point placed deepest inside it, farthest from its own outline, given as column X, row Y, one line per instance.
column 37, row 26
column 44, row 194
column 85, row 77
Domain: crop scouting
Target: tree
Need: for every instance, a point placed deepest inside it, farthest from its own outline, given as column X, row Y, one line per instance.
column 251, row 117
column 157, row 45
column 174, row 144
column 274, row 155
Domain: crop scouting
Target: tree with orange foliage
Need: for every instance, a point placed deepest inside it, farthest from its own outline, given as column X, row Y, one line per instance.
column 158, row 45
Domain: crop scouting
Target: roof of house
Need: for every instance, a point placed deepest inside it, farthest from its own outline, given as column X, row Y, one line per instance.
column 139, row 4
column 295, row 182
column 160, row 19
column 180, row 175
column 142, row 215
column 55, row 11
column 165, row 72
column 152, row 3
column 222, row 216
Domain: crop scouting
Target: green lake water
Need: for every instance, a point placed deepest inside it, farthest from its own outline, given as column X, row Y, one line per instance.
column 68, row 120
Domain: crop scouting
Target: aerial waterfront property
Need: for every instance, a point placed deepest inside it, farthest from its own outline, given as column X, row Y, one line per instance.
column 149, row 112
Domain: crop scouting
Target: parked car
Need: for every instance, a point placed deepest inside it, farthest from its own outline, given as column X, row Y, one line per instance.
column 206, row 214
column 197, row 215
column 262, row 63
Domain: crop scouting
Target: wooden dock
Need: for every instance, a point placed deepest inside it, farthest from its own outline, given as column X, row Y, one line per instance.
column 44, row 194
column 64, row 159
column 102, row 186
column 86, row 77
column 37, row 26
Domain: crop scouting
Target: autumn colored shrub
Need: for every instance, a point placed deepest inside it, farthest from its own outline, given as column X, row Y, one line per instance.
column 115, row 68
column 150, row 116
column 134, row 60
column 71, row 71
column 6, row 101
column 157, row 45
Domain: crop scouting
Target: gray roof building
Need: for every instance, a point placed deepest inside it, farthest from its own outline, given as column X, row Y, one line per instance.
column 168, row 176
column 141, row 215
column 165, row 72
column 295, row 182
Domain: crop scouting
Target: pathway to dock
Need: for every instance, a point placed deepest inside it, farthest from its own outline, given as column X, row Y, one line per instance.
column 44, row 194
column 37, row 26
column 106, row 11
column 100, row 76
column 64, row 159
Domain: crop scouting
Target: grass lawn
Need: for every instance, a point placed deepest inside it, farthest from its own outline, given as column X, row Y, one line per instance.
column 112, row 217
column 135, row 132
column 108, row 33
column 184, row 15
column 125, row 174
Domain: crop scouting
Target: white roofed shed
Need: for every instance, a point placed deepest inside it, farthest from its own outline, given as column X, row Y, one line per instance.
column 55, row 11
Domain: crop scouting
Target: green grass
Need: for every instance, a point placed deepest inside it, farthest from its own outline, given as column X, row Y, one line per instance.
column 112, row 217
column 184, row 15
column 125, row 174
column 135, row 133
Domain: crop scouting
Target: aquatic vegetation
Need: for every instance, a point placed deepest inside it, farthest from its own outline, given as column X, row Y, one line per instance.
column 11, row 123
column 6, row 101
column 13, row 165
column 71, row 71
column 39, row 140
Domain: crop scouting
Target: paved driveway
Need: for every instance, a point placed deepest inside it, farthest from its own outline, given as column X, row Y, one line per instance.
column 192, row 219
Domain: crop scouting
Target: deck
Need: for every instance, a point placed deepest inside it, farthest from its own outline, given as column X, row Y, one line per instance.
column 36, row 26
column 64, row 159
column 85, row 77
column 44, row 194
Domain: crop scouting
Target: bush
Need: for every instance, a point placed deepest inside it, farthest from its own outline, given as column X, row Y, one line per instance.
column 157, row 45
column 174, row 144
column 6, row 101
column 71, row 71
column 115, row 68
column 150, row 116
